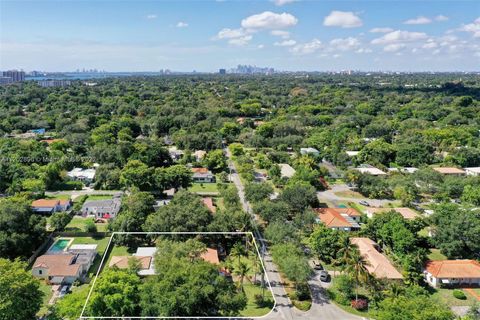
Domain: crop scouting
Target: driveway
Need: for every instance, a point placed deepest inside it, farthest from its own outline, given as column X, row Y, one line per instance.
column 330, row 196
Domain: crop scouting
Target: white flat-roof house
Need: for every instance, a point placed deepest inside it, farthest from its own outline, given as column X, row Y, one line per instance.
column 473, row 171
column 286, row 170
column 84, row 175
column 371, row 170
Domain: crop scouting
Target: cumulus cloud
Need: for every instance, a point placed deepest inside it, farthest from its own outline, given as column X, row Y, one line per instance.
column 240, row 41
column 280, row 33
column 151, row 16
column 307, row 48
column 381, row 30
column 237, row 37
column 260, row 46
column 441, row 18
column 345, row 44
column 473, row 28
column 182, row 24
column 343, row 19
column 399, row 36
column 269, row 20
column 394, row 47
column 282, row 2
column 418, row 20
column 285, row 43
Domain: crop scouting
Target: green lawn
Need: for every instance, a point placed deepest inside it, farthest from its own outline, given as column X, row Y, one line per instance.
column 252, row 309
column 102, row 246
column 59, row 197
column 47, row 294
column 78, row 224
column 203, row 187
column 436, row 255
column 445, row 296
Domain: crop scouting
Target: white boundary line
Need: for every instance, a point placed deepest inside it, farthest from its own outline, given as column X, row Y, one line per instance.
column 179, row 317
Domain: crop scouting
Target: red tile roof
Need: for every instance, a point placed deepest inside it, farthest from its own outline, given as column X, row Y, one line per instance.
column 199, row 170
column 57, row 265
column 208, row 202
column 449, row 170
column 45, row 203
column 121, row 262
column 349, row 211
column 453, row 268
column 211, row 255
column 332, row 218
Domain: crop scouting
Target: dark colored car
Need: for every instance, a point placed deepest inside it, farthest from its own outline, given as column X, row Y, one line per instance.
column 324, row 276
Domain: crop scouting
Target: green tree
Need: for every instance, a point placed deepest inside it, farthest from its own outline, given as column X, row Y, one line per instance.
column 136, row 174
column 215, row 161
column 325, row 242
column 20, row 294
column 255, row 192
column 59, row 220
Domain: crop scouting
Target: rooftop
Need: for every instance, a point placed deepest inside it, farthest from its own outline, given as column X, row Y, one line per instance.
column 407, row 213
column 58, row 264
column 371, row 170
column 453, row 268
column 449, row 170
column 211, row 255
column 208, row 202
column 45, row 203
column 337, row 217
column 286, row 170
column 121, row 262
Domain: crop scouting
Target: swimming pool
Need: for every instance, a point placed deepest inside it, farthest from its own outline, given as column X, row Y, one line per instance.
column 60, row 245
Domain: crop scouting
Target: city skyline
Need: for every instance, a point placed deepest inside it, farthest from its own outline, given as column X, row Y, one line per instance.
column 208, row 35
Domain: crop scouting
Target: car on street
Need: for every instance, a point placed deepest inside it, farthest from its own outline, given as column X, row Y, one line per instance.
column 63, row 291
column 364, row 203
column 324, row 276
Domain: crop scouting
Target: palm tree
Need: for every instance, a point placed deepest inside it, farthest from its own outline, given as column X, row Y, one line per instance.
column 357, row 268
column 242, row 271
column 255, row 264
column 344, row 254
column 238, row 251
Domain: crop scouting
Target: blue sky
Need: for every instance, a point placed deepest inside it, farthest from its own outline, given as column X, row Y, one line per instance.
column 206, row 35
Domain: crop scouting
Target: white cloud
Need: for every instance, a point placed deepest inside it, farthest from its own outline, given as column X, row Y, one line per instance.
column 441, row 18
column 269, row 20
column 151, row 16
column 418, row 20
column 473, row 28
column 182, row 24
column 280, row 33
column 308, row 47
column 260, row 46
column 363, row 50
column 345, row 44
column 241, row 41
column 282, row 2
column 430, row 45
column 399, row 36
column 394, row 47
column 344, row 19
column 381, row 30
column 227, row 33
column 285, row 43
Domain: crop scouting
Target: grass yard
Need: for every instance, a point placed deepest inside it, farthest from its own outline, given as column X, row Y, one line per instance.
column 59, row 197
column 47, row 294
column 101, row 247
column 252, row 309
column 203, row 187
column 445, row 296
column 435, row 254
column 78, row 224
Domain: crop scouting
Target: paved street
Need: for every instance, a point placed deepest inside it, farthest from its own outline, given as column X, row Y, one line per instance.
column 330, row 196
column 321, row 308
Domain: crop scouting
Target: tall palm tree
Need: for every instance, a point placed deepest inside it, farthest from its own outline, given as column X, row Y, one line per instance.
column 242, row 271
column 344, row 254
column 357, row 268
column 255, row 264
column 238, row 250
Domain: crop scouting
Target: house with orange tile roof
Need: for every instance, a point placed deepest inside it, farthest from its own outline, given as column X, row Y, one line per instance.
column 378, row 264
column 211, row 255
column 208, row 202
column 202, row 175
column 452, row 273
column 450, row 171
column 406, row 213
column 121, row 262
column 50, row 206
column 339, row 218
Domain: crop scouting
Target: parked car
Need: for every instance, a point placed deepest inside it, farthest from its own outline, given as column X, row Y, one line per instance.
column 63, row 291
column 317, row 265
column 364, row 203
column 324, row 276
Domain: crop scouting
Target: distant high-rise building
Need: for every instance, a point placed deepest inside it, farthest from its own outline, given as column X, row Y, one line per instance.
column 53, row 83
column 16, row 75
column 222, row 71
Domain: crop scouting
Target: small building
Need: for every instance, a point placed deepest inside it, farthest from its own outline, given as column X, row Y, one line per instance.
column 199, row 155
column 175, row 153
column 345, row 219
column 309, row 151
column 452, row 273
column 49, row 206
column 378, row 264
column 406, row 213
column 102, row 209
column 352, row 153
column 450, row 171
column 371, row 171
column 208, row 202
column 202, row 175
column 67, row 267
column 286, row 171
column 403, row 169
column 84, row 175
column 473, row 171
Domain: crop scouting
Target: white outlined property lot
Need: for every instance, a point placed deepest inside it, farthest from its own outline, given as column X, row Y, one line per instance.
column 108, row 250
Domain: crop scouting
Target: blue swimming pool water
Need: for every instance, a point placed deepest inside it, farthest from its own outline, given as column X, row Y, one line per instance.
column 59, row 245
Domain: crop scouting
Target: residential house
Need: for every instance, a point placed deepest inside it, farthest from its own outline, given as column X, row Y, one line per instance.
column 378, row 264
column 309, row 151
column 450, row 171
column 371, row 170
column 66, row 267
column 84, row 175
column 452, row 273
column 202, row 175
column 345, row 219
column 175, row 153
column 407, row 213
column 102, row 209
column 403, row 169
column 473, row 171
column 208, row 202
column 199, row 155
column 286, row 171
column 49, row 206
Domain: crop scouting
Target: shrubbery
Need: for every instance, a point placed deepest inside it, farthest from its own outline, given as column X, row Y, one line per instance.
column 459, row 294
column 359, row 304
